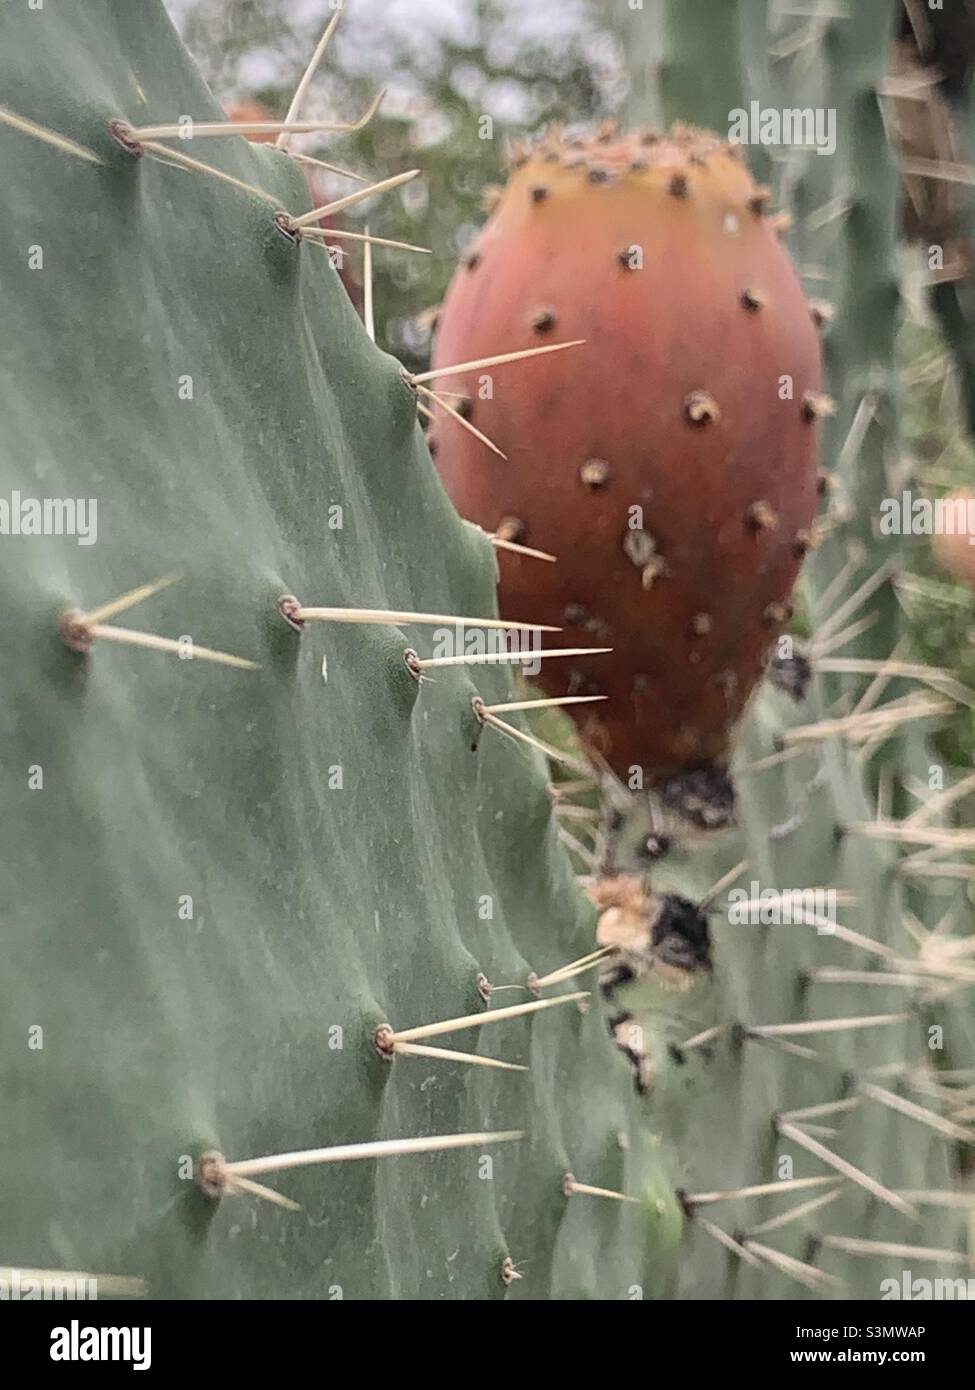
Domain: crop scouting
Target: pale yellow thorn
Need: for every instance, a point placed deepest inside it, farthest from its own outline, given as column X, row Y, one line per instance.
column 729, row 1242
column 425, row 410
column 572, row 812
column 571, row 1187
column 257, row 1189
column 583, row 785
column 913, row 834
column 832, row 975
column 763, row 1189
column 939, row 1197
column 379, row 1148
column 456, row 1025
column 804, row 1274
column 773, row 760
column 471, row 1058
column 565, row 975
column 864, row 1180
column 329, row 168
column 577, row 847
column 562, row 976
column 497, row 361
column 327, row 209
column 456, row 415
column 786, row 1218
column 583, row 963
column 50, row 137
column 126, row 601
column 323, row 235
column 517, row 549
column 940, row 870
column 555, row 754
column 942, row 801
column 725, row 881
column 827, row 926
column 916, row 1112
column 852, row 938
column 299, row 96
column 167, row 155
column 368, row 311
column 836, row 586
column 843, row 638
column 841, row 896
column 203, row 129
column 504, row 658
column 870, row 723
column 941, row 169
column 852, row 1245
column 783, row 1045
column 826, row 1025
column 150, row 641
column 702, row 1039
column 846, row 609
column 396, row 617
column 830, row 1107
column 512, row 705
column 861, row 666
column 109, row 1285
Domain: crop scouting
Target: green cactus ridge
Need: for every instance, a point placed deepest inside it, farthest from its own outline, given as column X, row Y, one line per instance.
column 249, row 868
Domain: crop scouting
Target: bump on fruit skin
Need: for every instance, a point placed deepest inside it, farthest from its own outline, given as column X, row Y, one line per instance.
column 675, row 391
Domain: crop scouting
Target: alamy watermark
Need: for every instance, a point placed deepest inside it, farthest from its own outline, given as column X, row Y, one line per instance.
column 78, row 1343
column 479, row 642
column 913, row 1290
column 49, row 516
column 810, row 127
column 25, row 1285
column 908, row 515
column 770, row 907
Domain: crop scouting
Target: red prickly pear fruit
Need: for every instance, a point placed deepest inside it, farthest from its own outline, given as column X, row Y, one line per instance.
column 670, row 462
column 251, row 112
column 954, row 548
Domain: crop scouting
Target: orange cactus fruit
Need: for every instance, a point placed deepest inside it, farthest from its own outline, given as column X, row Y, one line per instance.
column 954, row 546
column 251, row 112
column 669, row 463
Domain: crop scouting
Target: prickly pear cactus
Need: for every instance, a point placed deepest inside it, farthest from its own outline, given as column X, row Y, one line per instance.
column 669, row 460
column 239, row 839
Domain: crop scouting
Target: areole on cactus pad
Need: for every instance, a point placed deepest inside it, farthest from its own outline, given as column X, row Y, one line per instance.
column 669, row 462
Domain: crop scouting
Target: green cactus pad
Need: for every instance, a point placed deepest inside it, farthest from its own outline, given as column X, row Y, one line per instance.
column 217, row 881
